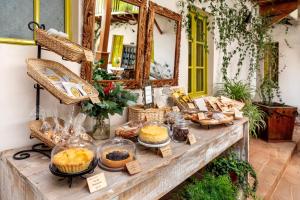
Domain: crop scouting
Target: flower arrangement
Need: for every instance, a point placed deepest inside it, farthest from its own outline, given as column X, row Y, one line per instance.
column 113, row 97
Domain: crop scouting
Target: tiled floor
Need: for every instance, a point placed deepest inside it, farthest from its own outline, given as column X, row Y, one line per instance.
column 269, row 161
column 288, row 187
column 272, row 164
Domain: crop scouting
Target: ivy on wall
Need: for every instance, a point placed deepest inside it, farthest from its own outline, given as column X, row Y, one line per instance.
column 236, row 25
column 239, row 33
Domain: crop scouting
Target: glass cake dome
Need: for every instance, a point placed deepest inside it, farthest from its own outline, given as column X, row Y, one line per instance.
column 115, row 153
column 73, row 156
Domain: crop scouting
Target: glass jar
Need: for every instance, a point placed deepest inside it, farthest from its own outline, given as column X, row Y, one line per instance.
column 115, row 153
column 171, row 118
column 180, row 130
column 73, row 156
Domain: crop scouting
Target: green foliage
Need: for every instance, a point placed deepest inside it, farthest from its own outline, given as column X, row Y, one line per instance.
column 113, row 98
column 268, row 90
column 100, row 74
column 236, row 90
column 210, row 188
column 232, row 164
column 256, row 118
column 242, row 92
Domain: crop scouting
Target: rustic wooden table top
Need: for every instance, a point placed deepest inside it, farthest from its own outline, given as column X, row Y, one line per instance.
column 31, row 178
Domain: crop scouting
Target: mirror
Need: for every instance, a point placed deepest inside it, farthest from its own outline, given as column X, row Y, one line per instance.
column 118, row 39
column 122, row 40
column 163, row 35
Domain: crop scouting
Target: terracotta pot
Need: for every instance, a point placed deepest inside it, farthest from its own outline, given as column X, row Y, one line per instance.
column 280, row 121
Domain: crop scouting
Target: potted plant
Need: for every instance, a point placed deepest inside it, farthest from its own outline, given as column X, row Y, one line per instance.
column 238, row 170
column 279, row 118
column 113, row 99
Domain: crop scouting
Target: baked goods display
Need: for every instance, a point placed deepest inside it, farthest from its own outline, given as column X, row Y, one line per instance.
column 212, row 118
column 116, row 157
column 116, row 153
column 73, row 160
column 53, row 130
column 73, row 156
column 183, row 101
column 154, row 133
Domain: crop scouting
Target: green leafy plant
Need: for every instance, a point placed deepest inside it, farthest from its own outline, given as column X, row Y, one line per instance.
column 256, row 118
column 268, row 90
column 113, row 97
column 241, row 91
column 232, row 165
column 209, row 188
column 237, row 90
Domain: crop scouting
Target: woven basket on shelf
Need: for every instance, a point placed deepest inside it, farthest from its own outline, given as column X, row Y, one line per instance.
column 34, row 70
column 138, row 113
column 64, row 47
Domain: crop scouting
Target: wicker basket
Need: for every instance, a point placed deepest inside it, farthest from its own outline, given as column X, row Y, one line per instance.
column 34, row 68
column 34, row 127
column 138, row 113
column 64, row 47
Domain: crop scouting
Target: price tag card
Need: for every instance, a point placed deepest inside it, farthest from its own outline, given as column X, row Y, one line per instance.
column 95, row 99
column 165, row 151
column 89, row 56
column 175, row 109
column 96, row 182
column 201, row 116
column 191, row 105
column 191, row 138
column 133, row 167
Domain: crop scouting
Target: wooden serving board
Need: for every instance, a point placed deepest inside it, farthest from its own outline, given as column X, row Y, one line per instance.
column 209, row 122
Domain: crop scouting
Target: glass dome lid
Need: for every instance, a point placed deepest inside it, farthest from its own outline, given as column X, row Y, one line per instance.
column 73, row 156
column 115, row 153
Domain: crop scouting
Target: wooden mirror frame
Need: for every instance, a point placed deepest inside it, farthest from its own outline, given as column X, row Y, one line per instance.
column 157, row 9
column 88, row 39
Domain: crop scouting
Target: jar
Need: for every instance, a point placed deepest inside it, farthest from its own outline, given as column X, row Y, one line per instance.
column 171, row 118
column 73, row 156
column 115, row 153
column 180, row 130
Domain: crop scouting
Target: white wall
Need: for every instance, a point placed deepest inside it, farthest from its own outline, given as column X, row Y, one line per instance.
column 289, row 57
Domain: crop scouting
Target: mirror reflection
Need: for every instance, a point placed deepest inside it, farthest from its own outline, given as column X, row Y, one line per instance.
column 164, row 40
column 122, row 39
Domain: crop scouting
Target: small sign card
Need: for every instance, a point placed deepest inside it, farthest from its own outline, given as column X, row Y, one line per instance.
column 165, row 151
column 175, row 109
column 191, row 138
column 94, row 99
column 133, row 167
column 96, row 182
column 89, row 56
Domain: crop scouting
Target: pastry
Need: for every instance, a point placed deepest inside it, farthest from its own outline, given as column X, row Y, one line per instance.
column 129, row 130
column 116, row 157
column 73, row 160
column 154, row 134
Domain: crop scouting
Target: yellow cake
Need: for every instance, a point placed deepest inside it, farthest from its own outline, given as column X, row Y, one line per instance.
column 154, row 134
column 73, row 160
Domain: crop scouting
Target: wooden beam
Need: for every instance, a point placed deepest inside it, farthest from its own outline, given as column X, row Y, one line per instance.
column 278, row 8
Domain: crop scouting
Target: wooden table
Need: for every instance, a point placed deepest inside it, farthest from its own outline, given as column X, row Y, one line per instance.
column 31, row 179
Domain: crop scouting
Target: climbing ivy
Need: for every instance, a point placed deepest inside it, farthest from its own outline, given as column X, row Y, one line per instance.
column 240, row 33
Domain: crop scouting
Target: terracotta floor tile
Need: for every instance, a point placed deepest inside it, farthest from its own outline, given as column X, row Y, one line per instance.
column 269, row 161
